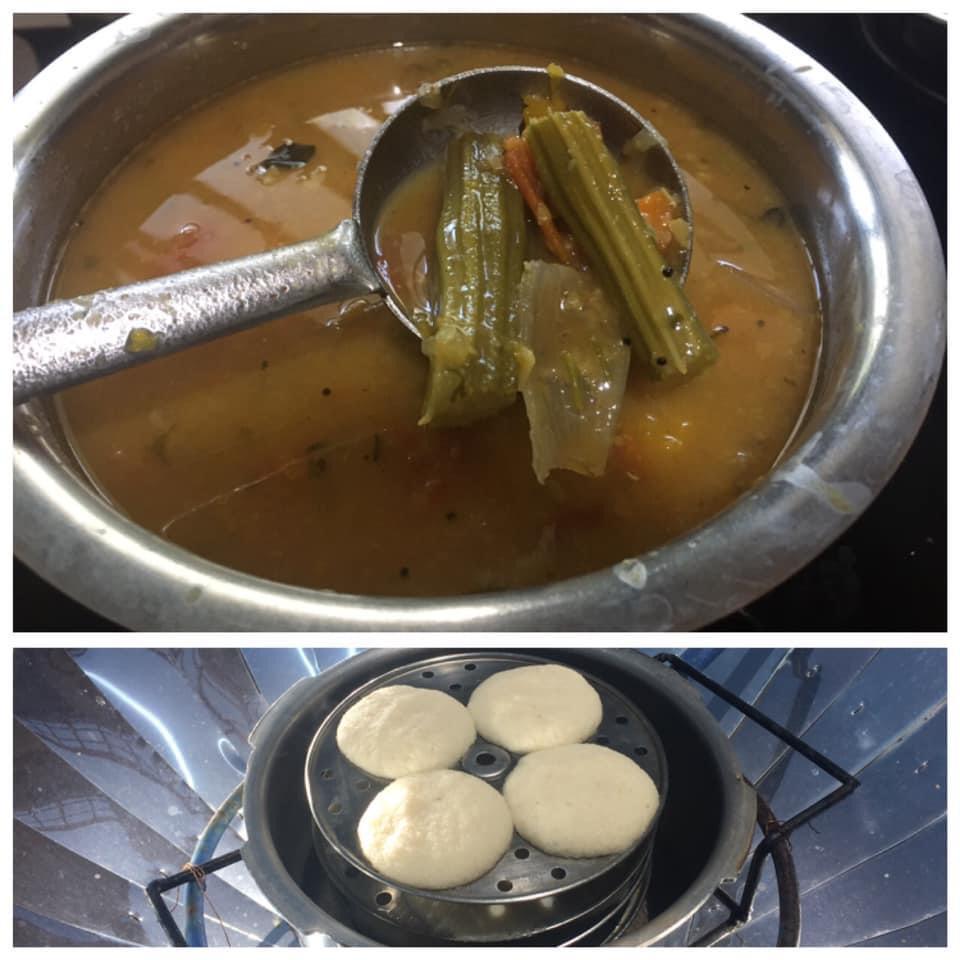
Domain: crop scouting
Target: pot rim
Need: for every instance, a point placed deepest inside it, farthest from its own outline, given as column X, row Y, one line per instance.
column 70, row 536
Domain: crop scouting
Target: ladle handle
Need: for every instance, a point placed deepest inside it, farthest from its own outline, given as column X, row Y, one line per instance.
column 70, row 341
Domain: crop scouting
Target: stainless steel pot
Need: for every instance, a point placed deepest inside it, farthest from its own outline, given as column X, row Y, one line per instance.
column 703, row 837
column 870, row 234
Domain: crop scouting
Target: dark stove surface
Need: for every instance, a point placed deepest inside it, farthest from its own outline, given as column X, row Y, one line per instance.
column 888, row 571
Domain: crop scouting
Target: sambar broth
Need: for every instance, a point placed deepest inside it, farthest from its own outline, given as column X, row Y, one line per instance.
column 291, row 450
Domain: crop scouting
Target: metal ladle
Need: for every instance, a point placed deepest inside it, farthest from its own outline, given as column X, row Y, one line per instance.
column 70, row 341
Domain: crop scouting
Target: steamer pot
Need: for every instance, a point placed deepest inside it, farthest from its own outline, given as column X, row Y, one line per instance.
column 864, row 218
column 703, row 836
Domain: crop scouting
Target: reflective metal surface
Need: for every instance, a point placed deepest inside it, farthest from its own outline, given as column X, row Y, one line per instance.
column 61, row 344
column 111, row 852
column 98, row 811
column 87, row 781
column 882, row 715
column 55, row 700
column 864, row 217
column 204, row 740
column 33, row 930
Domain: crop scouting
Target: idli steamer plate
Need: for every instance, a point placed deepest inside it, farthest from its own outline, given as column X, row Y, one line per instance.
column 529, row 896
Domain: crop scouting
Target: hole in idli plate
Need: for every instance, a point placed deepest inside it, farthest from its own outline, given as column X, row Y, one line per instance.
column 363, row 784
column 470, row 666
column 485, row 759
column 505, row 885
column 351, row 872
column 427, row 674
column 603, row 741
column 558, row 873
column 640, row 751
column 521, row 853
column 326, row 774
column 622, row 720
column 455, row 686
column 383, row 898
column 335, row 807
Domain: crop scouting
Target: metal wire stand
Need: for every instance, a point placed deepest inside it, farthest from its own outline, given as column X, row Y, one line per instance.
column 776, row 840
column 157, row 888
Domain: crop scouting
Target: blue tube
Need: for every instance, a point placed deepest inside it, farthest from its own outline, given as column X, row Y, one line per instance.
column 194, row 931
column 275, row 934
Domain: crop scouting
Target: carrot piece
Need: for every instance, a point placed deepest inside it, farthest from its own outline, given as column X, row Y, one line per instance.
column 658, row 208
column 519, row 164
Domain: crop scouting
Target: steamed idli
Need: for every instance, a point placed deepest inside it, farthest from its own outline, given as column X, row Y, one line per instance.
column 435, row 830
column 400, row 730
column 532, row 708
column 580, row 800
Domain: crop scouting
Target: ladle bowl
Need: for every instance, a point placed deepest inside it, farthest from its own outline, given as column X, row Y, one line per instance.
column 70, row 341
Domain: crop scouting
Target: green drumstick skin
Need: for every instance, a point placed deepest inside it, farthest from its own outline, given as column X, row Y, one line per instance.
column 586, row 188
column 477, row 356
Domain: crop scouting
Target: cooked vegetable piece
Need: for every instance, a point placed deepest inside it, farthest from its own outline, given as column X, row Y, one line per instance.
column 476, row 358
column 536, row 104
column 586, row 189
column 555, row 75
column 289, row 155
column 574, row 390
column 659, row 208
column 518, row 162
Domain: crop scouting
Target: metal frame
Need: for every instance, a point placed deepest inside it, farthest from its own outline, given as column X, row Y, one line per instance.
column 775, row 842
column 197, row 871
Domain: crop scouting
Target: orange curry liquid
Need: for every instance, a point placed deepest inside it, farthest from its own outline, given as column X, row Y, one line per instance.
column 291, row 451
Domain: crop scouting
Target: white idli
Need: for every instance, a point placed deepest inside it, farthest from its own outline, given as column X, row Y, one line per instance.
column 435, row 830
column 532, row 708
column 580, row 800
column 398, row 730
